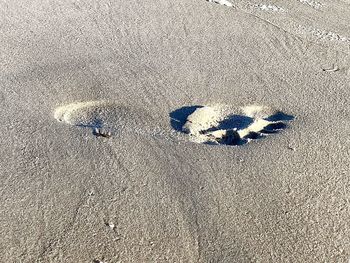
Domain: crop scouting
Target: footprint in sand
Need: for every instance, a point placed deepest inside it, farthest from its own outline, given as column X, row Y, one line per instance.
column 103, row 118
column 225, row 125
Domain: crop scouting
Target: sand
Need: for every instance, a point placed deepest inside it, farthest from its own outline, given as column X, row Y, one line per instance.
column 149, row 192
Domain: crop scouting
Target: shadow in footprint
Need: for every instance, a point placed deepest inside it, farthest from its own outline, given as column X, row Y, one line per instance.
column 96, row 123
column 254, row 136
column 228, row 139
column 274, row 127
column 232, row 138
column 280, row 116
column 93, row 125
column 179, row 117
column 232, row 122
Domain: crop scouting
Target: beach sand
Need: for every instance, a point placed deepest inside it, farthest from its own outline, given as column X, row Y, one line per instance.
column 74, row 72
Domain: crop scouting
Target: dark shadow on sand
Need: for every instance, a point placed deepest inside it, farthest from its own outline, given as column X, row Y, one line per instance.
column 232, row 122
column 93, row 125
column 178, row 117
column 280, row 116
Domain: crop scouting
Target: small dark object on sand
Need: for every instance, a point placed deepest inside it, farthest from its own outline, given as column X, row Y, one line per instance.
column 333, row 69
column 98, row 133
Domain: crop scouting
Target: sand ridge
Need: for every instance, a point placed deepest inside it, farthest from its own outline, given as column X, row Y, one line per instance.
column 103, row 117
column 68, row 112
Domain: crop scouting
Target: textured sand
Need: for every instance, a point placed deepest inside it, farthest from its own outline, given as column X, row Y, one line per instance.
column 149, row 194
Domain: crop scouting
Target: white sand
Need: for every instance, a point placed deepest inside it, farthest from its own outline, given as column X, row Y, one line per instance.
column 149, row 194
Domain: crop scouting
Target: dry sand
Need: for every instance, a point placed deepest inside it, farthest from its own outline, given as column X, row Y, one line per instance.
column 148, row 193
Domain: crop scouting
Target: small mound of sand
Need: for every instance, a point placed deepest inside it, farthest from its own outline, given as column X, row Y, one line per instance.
column 71, row 112
column 106, row 118
column 102, row 117
column 202, row 119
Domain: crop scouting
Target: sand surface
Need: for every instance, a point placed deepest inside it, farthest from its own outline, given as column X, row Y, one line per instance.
column 73, row 70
